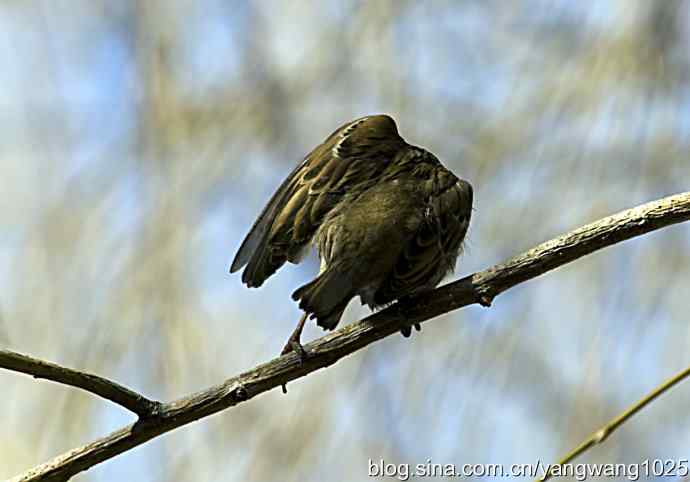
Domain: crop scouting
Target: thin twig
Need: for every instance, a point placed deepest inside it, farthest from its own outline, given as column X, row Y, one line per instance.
column 100, row 386
column 604, row 432
column 479, row 288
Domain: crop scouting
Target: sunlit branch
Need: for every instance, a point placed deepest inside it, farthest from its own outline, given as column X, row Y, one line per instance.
column 100, row 386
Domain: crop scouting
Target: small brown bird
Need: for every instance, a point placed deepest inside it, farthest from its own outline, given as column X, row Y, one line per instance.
column 387, row 217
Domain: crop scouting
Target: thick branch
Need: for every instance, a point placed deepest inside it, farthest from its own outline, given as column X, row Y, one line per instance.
column 102, row 387
column 480, row 287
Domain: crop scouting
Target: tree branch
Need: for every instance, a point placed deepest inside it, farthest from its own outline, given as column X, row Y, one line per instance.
column 604, row 432
column 480, row 287
column 100, row 386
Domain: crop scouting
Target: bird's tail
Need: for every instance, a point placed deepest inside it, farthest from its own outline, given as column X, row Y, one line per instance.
column 326, row 297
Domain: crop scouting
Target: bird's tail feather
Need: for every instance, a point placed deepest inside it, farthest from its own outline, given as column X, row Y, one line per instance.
column 326, row 297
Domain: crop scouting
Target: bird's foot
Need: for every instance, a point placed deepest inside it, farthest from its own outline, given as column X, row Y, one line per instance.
column 293, row 344
column 407, row 330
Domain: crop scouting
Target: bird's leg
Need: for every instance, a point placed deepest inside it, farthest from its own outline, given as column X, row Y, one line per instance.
column 293, row 343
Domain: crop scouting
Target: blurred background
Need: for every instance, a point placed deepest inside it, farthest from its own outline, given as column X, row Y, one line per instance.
column 140, row 140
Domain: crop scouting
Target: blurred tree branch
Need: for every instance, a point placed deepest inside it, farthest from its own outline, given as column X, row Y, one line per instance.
column 604, row 432
column 480, row 287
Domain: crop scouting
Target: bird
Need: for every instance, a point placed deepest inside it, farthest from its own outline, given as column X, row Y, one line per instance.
column 388, row 220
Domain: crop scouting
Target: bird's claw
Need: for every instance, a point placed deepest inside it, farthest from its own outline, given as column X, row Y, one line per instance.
column 406, row 331
column 297, row 347
column 294, row 346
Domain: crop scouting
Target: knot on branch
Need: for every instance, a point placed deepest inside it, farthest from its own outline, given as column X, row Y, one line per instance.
column 150, row 409
column 239, row 394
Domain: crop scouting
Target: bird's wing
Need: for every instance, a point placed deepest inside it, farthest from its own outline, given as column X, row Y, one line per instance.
column 348, row 161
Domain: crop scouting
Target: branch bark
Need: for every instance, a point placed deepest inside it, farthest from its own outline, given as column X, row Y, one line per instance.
column 100, row 386
column 481, row 287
